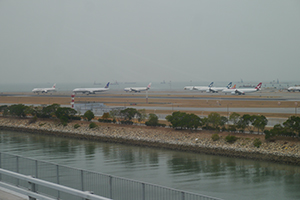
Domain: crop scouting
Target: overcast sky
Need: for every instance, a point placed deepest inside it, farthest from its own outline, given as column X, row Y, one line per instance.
column 149, row 40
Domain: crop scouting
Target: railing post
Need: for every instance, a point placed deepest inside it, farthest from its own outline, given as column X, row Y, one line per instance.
column 110, row 187
column 36, row 169
column 182, row 196
column 81, row 177
column 32, row 188
column 17, row 165
column 0, row 164
column 57, row 179
column 144, row 192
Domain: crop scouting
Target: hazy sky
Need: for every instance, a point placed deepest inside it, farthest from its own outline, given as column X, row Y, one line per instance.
column 149, row 40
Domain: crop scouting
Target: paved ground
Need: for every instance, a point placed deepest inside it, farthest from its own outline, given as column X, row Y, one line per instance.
column 10, row 195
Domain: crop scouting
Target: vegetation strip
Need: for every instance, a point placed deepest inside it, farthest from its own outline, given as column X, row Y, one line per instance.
column 215, row 137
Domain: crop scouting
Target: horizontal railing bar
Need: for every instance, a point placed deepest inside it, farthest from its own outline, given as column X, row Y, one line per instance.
column 85, row 195
column 24, row 191
column 121, row 178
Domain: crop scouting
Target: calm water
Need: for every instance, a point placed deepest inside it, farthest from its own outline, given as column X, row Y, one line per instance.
column 222, row 177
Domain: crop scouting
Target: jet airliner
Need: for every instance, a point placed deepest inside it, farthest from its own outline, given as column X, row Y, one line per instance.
column 294, row 89
column 137, row 89
column 219, row 89
column 242, row 91
column 44, row 90
column 91, row 90
column 199, row 88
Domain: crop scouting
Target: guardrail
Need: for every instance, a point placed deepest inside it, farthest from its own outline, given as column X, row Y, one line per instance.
column 33, row 183
column 104, row 185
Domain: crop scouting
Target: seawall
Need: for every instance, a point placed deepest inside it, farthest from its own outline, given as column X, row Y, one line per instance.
column 195, row 141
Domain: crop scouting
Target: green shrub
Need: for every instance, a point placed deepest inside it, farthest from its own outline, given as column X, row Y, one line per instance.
column 42, row 124
column 257, row 142
column 76, row 126
column 231, row 138
column 215, row 137
column 92, row 125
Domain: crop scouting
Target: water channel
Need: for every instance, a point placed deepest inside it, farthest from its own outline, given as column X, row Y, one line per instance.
column 227, row 178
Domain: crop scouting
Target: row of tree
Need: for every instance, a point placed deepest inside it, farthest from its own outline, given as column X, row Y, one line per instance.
column 214, row 121
column 290, row 128
column 178, row 120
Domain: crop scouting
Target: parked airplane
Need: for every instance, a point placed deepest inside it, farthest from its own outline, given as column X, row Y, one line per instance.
column 294, row 89
column 44, row 90
column 230, row 90
column 242, row 91
column 218, row 89
column 91, row 90
column 199, row 88
column 137, row 89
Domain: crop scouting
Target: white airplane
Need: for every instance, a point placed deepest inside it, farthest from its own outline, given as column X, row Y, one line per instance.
column 44, row 90
column 230, row 90
column 137, row 89
column 199, row 88
column 219, row 89
column 91, row 90
column 294, row 89
column 242, row 91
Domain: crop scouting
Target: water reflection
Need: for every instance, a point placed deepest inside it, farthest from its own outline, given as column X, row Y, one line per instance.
column 228, row 178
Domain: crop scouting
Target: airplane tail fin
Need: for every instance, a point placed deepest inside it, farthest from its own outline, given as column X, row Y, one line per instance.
column 234, row 87
column 107, row 85
column 148, row 87
column 54, row 85
column 211, row 84
column 229, row 85
column 258, row 86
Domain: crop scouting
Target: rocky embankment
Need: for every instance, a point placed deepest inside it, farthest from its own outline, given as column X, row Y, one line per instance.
column 197, row 141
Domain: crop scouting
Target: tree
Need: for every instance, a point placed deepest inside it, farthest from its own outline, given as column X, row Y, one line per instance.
column 234, row 118
column 183, row 120
column 176, row 119
column 244, row 122
column 89, row 115
column 17, row 110
column 152, row 120
column 128, row 113
column 115, row 112
column 193, row 121
column 141, row 115
column 293, row 123
column 259, row 122
column 105, row 115
column 214, row 119
column 65, row 114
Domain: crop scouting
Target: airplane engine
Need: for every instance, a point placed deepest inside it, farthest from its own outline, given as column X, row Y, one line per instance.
column 232, row 92
column 208, row 91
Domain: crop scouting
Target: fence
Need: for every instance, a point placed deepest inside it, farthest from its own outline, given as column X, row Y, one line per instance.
column 34, row 182
column 108, row 186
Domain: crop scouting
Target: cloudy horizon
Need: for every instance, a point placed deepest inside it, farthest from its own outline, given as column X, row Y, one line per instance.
column 146, row 41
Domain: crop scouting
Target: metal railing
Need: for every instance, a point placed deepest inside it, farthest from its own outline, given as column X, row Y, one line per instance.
column 104, row 185
column 33, row 183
